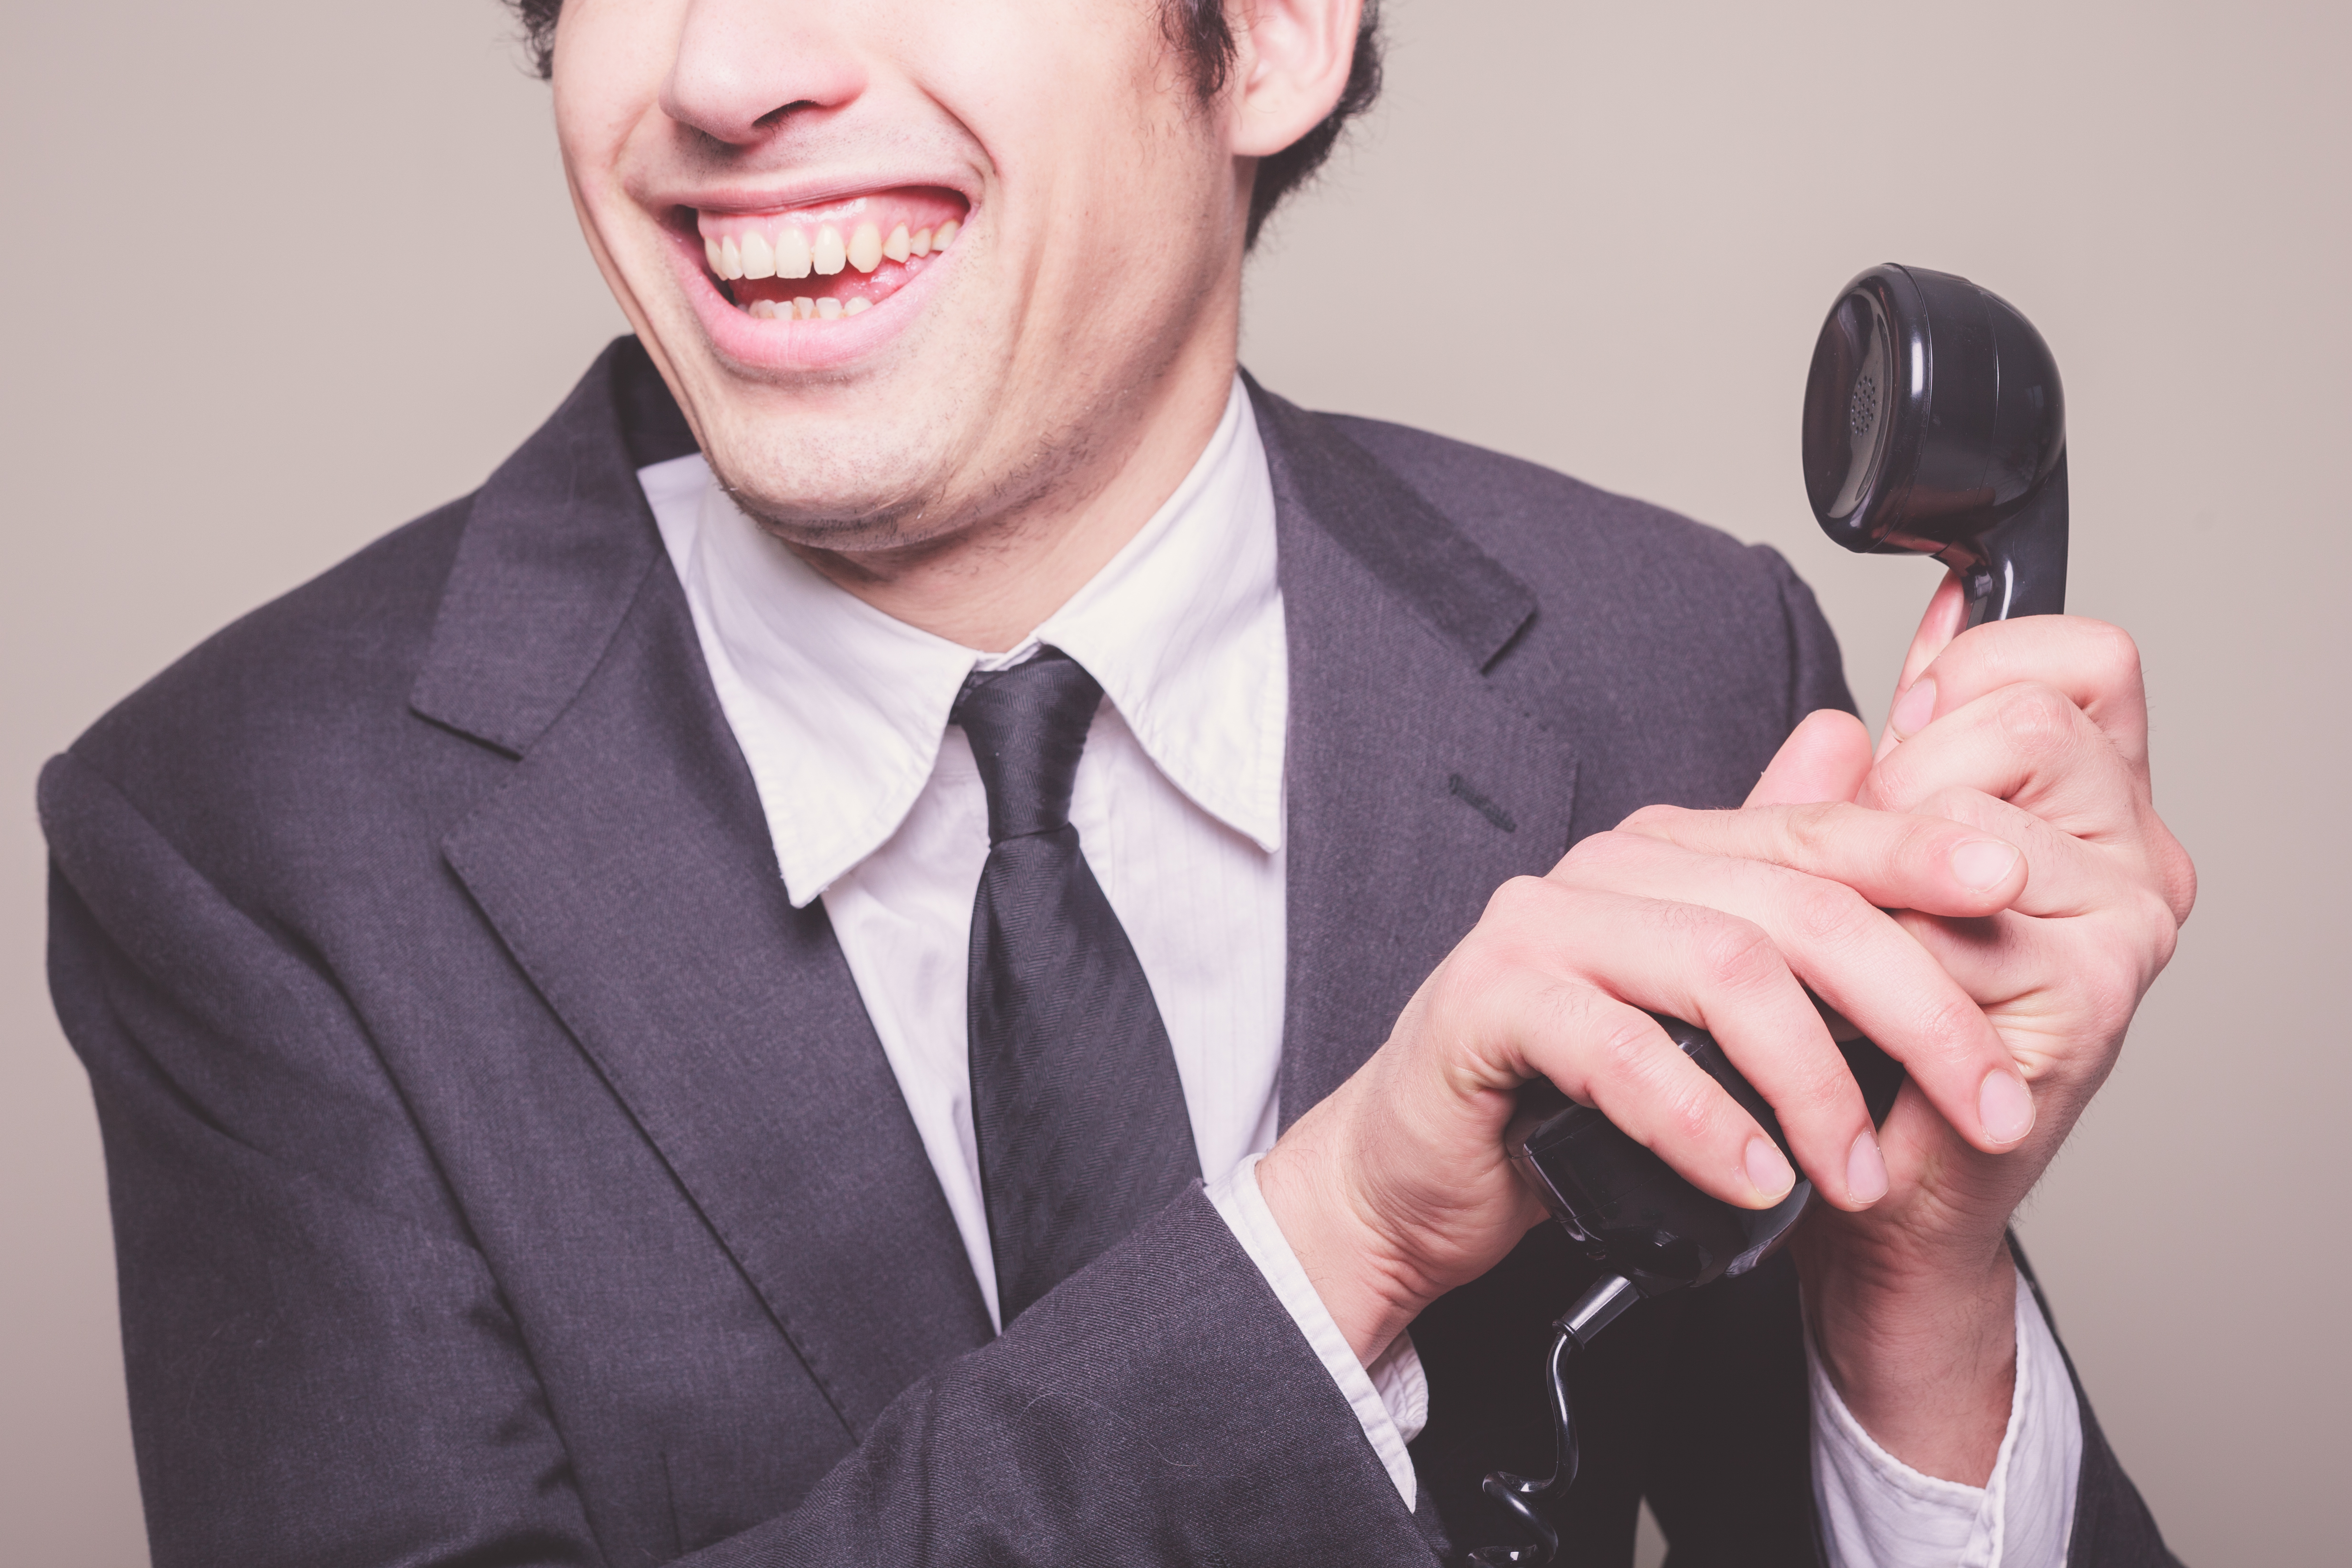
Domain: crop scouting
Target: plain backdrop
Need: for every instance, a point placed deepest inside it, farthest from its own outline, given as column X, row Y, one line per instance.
column 280, row 275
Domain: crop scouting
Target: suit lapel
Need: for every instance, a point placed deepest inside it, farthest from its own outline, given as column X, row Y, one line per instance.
column 625, row 863
column 1416, row 785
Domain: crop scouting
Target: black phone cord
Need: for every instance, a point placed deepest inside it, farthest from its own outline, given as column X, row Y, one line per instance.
column 1532, row 1501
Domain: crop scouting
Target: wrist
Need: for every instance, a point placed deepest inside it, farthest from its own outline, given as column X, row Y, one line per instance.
column 1919, row 1342
column 1371, row 1291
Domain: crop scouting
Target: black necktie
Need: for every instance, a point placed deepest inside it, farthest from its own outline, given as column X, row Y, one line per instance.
column 1074, row 1099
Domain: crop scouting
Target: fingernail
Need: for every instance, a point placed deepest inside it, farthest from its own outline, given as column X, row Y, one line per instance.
column 1767, row 1169
column 1981, row 863
column 2006, row 1106
column 1865, row 1170
column 1913, row 709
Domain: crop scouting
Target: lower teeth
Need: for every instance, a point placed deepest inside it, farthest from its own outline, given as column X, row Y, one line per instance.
column 806, row 309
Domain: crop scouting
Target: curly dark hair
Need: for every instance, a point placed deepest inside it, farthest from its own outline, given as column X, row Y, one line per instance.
column 1195, row 28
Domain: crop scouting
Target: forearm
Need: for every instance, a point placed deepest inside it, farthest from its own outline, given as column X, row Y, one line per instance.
column 1159, row 1406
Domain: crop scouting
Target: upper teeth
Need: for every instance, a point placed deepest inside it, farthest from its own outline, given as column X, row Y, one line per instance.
column 790, row 252
column 827, row 252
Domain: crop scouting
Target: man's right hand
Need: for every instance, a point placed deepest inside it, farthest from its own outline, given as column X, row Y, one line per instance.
column 1396, row 1189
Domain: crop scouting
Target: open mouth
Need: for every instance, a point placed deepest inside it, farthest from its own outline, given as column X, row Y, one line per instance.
column 833, row 260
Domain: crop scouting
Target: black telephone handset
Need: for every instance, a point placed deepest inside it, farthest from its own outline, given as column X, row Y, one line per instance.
column 1934, row 426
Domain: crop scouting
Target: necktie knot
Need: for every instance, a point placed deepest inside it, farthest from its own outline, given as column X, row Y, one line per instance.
column 1027, row 726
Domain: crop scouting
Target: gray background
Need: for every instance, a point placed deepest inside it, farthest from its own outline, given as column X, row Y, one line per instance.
column 281, row 275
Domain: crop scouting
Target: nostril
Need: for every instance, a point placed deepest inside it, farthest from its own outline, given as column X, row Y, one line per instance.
column 776, row 117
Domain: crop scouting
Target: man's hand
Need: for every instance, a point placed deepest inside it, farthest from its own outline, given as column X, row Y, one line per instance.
column 1396, row 1189
column 2004, row 984
column 2036, row 730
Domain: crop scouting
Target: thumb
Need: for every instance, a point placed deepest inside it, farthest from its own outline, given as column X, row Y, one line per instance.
column 1826, row 757
column 1936, row 629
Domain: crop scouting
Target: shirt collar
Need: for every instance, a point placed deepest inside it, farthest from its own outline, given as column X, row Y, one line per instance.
column 839, row 710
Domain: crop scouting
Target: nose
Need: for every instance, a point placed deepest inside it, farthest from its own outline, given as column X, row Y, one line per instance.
column 744, row 66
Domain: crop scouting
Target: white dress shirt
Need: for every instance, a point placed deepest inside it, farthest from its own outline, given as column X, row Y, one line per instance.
column 873, row 804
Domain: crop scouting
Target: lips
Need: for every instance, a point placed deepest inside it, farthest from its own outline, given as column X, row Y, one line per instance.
column 829, row 262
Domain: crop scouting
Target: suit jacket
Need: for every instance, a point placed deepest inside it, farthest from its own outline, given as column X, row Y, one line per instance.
column 504, row 1171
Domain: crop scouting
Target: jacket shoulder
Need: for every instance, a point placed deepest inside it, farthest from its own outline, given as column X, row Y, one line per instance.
column 1541, row 522
column 1676, row 656
column 306, row 695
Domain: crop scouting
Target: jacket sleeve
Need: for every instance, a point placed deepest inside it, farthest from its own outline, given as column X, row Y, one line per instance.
column 2113, row 1527
column 322, row 1369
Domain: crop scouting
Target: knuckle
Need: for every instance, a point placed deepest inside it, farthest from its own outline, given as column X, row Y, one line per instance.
column 1479, row 970
column 1695, row 1108
column 1809, row 829
column 2156, row 917
column 1691, row 1112
column 1471, row 972
column 1601, row 852
column 1820, row 1082
column 2113, row 983
column 2114, row 655
column 1828, row 915
column 1625, row 1047
column 1652, row 818
column 1952, row 1027
column 1922, row 847
column 1518, row 902
column 2037, row 718
column 1951, row 802
column 2179, row 876
column 1733, row 954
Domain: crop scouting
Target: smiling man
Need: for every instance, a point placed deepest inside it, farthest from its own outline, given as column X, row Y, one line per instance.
column 911, row 938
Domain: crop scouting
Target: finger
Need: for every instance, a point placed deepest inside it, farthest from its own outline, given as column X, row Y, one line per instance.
column 2028, row 744
column 1938, row 627
column 1606, row 1053
column 1893, row 858
column 1851, row 953
column 1723, row 974
column 2066, row 878
column 1826, row 757
column 2071, row 931
column 2063, row 1038
column 2095, row 665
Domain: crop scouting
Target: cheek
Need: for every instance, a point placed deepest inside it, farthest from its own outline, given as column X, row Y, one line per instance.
column 1129, row 249
column 610, row 58
column 1102, row 153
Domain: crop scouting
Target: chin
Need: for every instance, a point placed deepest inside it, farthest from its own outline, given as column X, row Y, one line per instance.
column 883, row 489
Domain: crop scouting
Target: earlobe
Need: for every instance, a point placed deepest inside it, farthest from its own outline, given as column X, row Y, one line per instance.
column 1291, row 61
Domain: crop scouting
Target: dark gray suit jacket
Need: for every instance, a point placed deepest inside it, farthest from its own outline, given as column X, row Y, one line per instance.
column 503, row 1171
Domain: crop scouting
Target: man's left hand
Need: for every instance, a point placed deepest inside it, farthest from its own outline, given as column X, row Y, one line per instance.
column 2036, row 730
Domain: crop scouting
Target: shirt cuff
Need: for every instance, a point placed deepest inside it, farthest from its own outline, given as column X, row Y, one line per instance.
column 1878, row 1512
column 1391, row 1397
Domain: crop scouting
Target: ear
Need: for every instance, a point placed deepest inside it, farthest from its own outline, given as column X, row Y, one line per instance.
column 1290, row 65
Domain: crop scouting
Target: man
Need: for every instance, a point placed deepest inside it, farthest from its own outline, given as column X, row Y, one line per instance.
column 718, row 998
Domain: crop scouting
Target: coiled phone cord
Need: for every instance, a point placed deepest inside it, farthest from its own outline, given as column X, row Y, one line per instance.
column 1529, row 1501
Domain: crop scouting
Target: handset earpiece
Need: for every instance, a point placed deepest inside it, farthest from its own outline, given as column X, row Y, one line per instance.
column 1935, row 423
